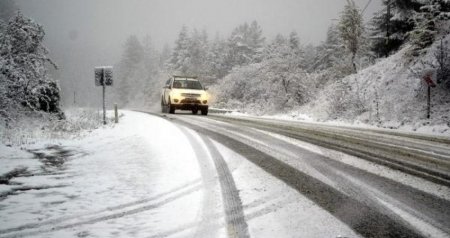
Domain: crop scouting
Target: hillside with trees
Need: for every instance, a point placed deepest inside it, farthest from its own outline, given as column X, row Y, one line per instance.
column 337, row 79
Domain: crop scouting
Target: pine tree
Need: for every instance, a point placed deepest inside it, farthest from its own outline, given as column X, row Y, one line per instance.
column 216, row 58
column 245, row 45
column 330, row 51
column 179, row 60
column 165, row 55
column 197, row 51
column 427, row 23
column 390, row 26
column 351, row 29
column 129, row 69
column 294, row 41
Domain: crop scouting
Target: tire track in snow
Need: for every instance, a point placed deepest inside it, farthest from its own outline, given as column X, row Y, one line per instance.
column 111, row 213
column 209, row 183
column 234, row 212
column 426, row 206
column 361, row 217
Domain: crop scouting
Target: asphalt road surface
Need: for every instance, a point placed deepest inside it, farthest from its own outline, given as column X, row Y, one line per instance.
column 380, row 183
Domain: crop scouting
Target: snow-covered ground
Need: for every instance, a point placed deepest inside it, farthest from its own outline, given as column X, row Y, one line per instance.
column 146, row 177
column 138, row 178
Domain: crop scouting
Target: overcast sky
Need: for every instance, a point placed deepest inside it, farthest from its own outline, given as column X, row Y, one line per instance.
column 114, row 20
column 81, row 34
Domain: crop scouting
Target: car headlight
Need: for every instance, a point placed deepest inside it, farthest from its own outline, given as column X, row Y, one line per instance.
column 204, row 98
column 175, row 95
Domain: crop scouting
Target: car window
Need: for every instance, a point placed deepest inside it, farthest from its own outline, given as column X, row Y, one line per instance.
column 187, row 84
column 168, row 82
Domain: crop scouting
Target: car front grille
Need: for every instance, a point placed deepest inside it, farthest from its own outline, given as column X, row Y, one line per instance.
column 190, row 101
column 190, row 95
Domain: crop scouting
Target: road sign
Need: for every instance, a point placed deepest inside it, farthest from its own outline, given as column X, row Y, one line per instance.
column 429, row 77
column 429, row 80
column 103, row 76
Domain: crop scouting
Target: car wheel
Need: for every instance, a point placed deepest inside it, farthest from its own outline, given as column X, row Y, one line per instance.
column 205, row 111
column 194, row 111
column 163, row 107
column 170, row 108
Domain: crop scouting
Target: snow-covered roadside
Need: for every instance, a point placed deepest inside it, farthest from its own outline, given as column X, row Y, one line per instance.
column 427, row 129
column 133, row 179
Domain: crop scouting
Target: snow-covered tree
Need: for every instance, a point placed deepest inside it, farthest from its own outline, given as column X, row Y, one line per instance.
column 138, row 73
column 198, row 48
column 23, row 60
column 330, row 51
column 351, row 29
column 190, row 55
column 428, row 21
column 442, row 56
column 130, row 69
column 165, row 55
column 245, row 45
column 390, row 26
column 179, row 60
column 216, row 58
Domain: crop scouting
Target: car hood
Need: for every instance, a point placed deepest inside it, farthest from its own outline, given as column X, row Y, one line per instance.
column 196, row 91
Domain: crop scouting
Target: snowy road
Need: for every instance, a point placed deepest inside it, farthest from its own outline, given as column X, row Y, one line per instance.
column 157, row 175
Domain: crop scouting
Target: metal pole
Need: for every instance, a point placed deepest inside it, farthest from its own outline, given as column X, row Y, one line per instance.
column 104, row 103
column 116, row 114
column 429, row 103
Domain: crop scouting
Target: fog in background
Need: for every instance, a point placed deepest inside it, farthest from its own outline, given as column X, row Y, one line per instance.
column 82, row 34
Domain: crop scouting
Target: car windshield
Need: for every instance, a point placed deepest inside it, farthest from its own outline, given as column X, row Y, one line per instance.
column 187, row 84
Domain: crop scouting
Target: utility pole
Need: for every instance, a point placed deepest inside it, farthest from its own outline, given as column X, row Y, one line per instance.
column 74, row 97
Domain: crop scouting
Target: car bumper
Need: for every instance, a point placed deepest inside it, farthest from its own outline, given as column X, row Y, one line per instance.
column 189, row 104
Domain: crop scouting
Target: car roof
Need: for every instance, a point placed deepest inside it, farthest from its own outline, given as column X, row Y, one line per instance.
column 189, row 79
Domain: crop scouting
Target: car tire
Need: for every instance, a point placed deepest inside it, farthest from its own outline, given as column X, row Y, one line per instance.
column 170, row 108
column 163, row 106
column 194, row 111
column 205, row 111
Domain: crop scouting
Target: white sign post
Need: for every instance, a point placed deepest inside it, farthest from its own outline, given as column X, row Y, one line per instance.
column 104, row 77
